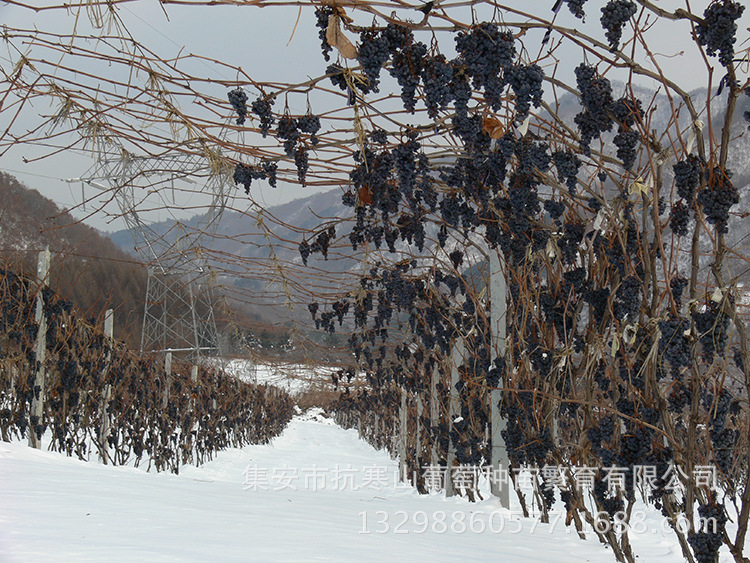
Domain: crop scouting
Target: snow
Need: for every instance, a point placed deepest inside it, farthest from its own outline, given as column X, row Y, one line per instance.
column 296, row 379
column 237, row 508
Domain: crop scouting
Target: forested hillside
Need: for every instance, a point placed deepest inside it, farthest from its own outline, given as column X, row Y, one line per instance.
column 87, row 268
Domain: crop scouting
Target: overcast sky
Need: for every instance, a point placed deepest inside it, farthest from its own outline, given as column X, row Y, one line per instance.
column 265, row 43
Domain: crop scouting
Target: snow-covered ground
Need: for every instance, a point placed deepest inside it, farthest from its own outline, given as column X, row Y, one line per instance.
column 317, row 493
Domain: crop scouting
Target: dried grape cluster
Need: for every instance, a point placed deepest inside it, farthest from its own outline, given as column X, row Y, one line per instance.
column 262, row 108
column 615, row 14
column 718, row 28
column 717, row 196
column 238, row 100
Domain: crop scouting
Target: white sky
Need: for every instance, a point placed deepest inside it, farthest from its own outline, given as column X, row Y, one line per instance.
column 258, row 40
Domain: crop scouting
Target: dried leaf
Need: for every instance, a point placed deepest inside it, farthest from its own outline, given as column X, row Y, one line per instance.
column 336, row 38
column 639, row 187
column 493, row 127
column 364, row 197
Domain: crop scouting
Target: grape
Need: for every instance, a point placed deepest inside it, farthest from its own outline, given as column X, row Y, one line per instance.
column 526, row 82
column 406, row 68
column 628, row 112
column 717, row 197
column 576, row 8
column 708, row 540
column 626, row 142
column 374, row 52
column 674, row 345
column 238, row 99
column 397, row 36
column 678, row 285
column 679, row 218
column 270, row 168
column 555, row 210
column 310, row 124
column 567, row 165
column 712, row 326
column 570, row 241
column 289, row 133
column 717, row 31
column 597, row 102
column 301, row 162
column 628, row 299
column 615, row 15
column 437, row 74
column 687, row 176
column 262, row 108
column 322, row 15
column 461, row 93
column 244, row 175
column 486, row 52
column 379, row 136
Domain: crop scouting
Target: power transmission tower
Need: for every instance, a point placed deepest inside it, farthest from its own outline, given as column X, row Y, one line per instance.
column 178, row 309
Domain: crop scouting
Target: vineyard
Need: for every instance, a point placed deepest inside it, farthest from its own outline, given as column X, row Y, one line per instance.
column 539, row 263
column 104, row 400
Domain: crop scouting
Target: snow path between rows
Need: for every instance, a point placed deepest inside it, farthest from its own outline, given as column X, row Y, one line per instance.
column 54, row 508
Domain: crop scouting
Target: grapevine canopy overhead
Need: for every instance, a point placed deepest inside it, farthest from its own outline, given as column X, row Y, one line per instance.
column 497, row 66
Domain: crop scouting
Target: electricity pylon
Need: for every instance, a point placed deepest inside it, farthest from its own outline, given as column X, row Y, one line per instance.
column 178, row 312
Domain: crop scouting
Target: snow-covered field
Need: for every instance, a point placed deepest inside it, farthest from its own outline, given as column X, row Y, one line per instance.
column 317, row 493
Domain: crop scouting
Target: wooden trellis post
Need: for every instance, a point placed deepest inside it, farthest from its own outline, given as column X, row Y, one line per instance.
column 418, row 432
column 36, row 413
column 434, row 416
column 402, row 436
column 498, row 309
column 453, row 411
column 168, row 378
column 107, row 393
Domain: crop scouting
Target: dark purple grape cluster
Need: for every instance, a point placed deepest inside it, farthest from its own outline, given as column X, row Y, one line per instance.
column 570, row 242
column 271, row 169
column 567, row 165
column 301, row 161
column 615, row 15
column 598, row 300
column 322, row 15
column 678, row 284
column 674, row 346
column 628, row 300
column 379, row 137
column 707, row 541
column 244, row 174
column 406, row 68
column 679, row 219
column 262, row 108
column 487, row 53
column 526, row 82
column 238, row 100
column 310, row 124
column 555, row 210
column 597, row 102
column 712, row 325
column 628, row 111
column 688, row 174
column 717, row 197
column 437, row 74
column 576, row 8
column 288, row 132
column 718, row 29
column 374, row 52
